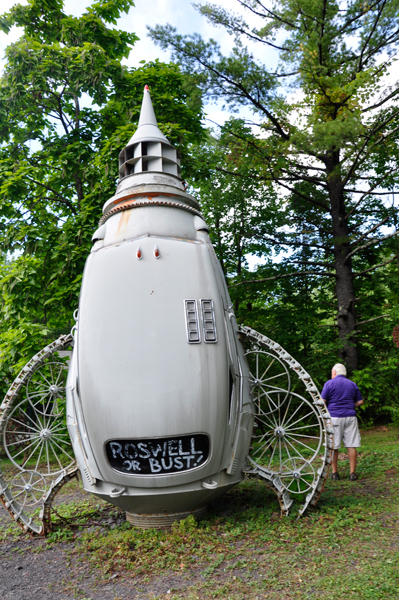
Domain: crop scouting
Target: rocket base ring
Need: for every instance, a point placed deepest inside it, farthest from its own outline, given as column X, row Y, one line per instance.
column 161, row 520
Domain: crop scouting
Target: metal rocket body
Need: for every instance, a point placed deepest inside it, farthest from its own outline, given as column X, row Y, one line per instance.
column 159, row 408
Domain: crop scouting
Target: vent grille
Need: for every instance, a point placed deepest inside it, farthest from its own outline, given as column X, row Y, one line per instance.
column 192, row 324
column 208, row 322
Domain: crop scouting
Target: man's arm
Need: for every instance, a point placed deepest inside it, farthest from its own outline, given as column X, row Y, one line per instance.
column 358, row 397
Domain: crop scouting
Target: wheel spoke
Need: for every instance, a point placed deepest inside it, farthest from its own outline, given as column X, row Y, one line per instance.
column 299, row 442
column 26, row 447
column 23, row 424
column 19, row 493
column 43, row 377
column 266, row 448
column 47, row 458
column 269, row 400
column 290, row 429
column 51, row 373
column 268, row 443
column 271, row 458
column 64, row 451
column 31, row 454
column 61, row 372
column 266, row 417
column 55, row 454
column 274, row 377
column 43, row 393
column 308, row 437
column 39, row 457
column 297, row 451
column 267, row 368
column 288, row 452
column 301, row 418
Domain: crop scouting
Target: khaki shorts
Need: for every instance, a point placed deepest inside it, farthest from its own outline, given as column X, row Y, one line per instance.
column 346, row 430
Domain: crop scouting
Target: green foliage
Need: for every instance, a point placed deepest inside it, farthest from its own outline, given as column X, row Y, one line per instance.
column 67, row 108
column 330, row 152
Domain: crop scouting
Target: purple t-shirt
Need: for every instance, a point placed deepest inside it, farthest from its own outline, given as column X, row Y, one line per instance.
column 341, row 394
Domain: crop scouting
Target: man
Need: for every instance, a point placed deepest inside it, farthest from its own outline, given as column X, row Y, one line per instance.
column 342, row 397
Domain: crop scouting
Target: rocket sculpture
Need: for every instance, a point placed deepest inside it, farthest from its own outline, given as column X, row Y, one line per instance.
column 159, row 402
column 159, row 407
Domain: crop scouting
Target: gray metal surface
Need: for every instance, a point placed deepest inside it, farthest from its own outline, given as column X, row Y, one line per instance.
column 157, row 355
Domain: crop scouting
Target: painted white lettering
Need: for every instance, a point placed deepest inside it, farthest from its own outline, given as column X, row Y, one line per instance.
column 178, row 463
column 155, row 466
column 127, row 465
column 165, row 446
column 173, row 450
column 170, row 465
column 181, row 452
column 188, row 459
column 116, row 449
column 143, row 448
column 199, row 459
column 193, row 450
column 155, row 451
column 136, row 465
column 132, row 449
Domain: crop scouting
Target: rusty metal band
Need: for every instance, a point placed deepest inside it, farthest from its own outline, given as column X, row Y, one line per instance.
column 141, row 203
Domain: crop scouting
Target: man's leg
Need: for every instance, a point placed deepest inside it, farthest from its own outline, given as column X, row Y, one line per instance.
column 352, row 454
column 335, row 461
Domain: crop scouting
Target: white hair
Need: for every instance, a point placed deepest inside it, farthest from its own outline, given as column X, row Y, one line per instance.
column 339, row 369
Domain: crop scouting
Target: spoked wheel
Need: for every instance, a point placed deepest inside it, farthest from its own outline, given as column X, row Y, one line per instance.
column 28, row 488
column 35, row 438
column 43, row 439
column 293, row 437
column 268, row 373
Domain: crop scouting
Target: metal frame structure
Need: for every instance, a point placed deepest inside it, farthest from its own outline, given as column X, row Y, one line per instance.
column 28, row 495
column 279, row 432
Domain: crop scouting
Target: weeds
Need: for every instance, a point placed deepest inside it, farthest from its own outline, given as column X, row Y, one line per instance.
column 348, row 547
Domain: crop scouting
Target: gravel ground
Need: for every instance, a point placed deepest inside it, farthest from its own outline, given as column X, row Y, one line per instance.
column 37, row 568
column 33, row 568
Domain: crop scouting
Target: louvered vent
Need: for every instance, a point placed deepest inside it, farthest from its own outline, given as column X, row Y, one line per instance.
column 192, row 324
column 149, row 156
column 208, row 321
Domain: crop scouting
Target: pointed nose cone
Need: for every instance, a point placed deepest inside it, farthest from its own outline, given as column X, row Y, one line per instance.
column 147, row 130
column 148, row 150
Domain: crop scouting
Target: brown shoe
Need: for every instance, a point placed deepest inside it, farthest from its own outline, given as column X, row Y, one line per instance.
column 353, row 477
column 335, row 477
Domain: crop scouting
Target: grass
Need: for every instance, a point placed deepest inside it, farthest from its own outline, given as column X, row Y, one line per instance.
column 348, row 547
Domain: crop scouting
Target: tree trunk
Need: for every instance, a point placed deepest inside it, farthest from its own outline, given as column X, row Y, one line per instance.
column 346, row 318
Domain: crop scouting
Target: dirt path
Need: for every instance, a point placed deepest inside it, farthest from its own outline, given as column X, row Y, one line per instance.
column 37, row 568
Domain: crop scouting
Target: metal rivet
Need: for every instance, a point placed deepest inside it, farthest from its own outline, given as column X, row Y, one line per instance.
column 139, row 254
column 156, row 252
